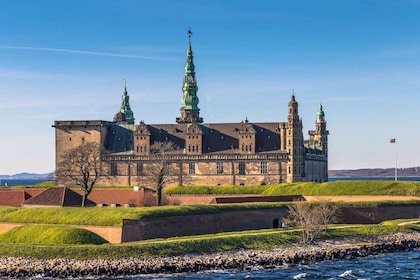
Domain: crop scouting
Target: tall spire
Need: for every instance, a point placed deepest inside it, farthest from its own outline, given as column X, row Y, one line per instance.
column 189, row 111
column 125, row 114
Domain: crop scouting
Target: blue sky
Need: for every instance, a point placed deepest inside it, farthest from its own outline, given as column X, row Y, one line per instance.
column 65, row 60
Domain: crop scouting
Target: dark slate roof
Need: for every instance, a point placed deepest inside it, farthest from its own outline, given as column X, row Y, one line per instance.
column 217, row 137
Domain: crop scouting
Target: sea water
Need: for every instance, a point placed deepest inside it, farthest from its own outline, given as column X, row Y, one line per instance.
column 387, row 266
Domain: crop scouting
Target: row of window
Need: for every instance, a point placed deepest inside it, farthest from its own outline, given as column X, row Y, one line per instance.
column 191, row 168
column 193, row 148
column 246, row 136
column 246, row 148
column 141, row 149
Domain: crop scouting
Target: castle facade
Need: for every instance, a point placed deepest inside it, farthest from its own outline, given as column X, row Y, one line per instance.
column 242, row 153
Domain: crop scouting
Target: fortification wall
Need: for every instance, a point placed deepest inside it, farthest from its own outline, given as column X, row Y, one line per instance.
column 373, row 215
column 149, row 228
column 200, row 224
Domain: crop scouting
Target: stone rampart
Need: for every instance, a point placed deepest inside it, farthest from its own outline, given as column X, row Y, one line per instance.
column 148, row 228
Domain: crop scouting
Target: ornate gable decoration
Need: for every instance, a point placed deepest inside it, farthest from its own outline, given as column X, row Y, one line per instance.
column 142, row 129
column 194, row 129
column 246, row 128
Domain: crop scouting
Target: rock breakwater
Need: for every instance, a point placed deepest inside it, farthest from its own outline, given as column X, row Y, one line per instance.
column 332, row 250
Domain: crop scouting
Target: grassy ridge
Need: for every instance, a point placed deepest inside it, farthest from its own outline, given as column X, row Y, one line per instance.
column 260, row 239
column 51, row 235
column 350, row 187
column 111, row 216
column 105, row 216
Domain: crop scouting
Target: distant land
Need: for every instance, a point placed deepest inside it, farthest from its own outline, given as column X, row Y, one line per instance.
column 28, row 176
column 375, row 172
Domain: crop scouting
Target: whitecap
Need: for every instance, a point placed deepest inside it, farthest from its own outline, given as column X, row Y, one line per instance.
column 301, row 275
column 345, row 274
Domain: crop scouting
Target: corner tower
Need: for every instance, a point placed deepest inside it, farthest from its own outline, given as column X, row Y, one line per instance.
column 321, row 130
column 190, row 113
column 294, row 144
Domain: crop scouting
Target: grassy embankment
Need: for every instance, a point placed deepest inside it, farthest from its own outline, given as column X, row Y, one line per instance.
column 114, row 216
column 20, row 242
column 345, row 187
column 350, row 187
column 51, row 235
column 110, row 216
column 261, row 239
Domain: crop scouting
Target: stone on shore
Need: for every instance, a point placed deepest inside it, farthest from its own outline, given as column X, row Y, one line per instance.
column 330, row 250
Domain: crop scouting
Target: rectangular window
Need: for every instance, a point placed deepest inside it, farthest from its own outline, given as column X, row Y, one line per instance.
column 263, row 167
column 219, row 167
column 139, row 169
column 191, row 168
column 114, row 169
column 242, row 168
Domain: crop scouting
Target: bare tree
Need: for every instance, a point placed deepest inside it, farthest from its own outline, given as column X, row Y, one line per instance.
column 81, row 166
column 304, row 216
column 327, row 211
column 311, row 216
column 159, row 171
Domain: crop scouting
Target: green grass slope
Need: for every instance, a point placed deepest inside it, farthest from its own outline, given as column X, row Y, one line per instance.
column 99, row 216
column 50, row 235
column 256, row 239
column 350, row 187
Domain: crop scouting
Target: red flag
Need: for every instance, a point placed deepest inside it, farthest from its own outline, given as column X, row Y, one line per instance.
column 392, row 140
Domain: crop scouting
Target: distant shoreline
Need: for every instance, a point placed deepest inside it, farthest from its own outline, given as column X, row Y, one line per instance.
column 21, row 182
column 379, row 178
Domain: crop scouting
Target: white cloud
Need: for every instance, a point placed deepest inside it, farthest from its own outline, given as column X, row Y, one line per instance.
column 82, row 52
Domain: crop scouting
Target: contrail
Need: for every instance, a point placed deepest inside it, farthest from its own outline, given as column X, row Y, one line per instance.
column 82, row 52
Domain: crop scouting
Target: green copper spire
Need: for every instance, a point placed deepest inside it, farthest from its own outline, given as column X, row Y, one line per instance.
column 125, row 105
column 320, row 111
column 189, row 101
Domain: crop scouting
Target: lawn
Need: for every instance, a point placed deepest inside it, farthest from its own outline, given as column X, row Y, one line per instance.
column 256, row 239
column 346, row 187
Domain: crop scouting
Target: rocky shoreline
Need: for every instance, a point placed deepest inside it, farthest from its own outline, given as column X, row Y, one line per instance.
column 329, row 250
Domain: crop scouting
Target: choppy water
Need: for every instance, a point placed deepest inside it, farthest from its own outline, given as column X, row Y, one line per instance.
column 390, row 266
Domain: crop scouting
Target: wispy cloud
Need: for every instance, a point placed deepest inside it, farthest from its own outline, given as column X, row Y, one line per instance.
column 83, row 52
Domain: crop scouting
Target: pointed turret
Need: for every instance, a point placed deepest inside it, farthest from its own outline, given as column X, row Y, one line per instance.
column 190, row 112
column 125, row 115
column 294, row 144
column 321, row 132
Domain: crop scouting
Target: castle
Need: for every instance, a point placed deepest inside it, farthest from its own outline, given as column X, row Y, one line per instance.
column 243, row 153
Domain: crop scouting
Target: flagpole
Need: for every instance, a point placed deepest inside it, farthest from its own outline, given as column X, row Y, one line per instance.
column 394, row 141
column 396, row 162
